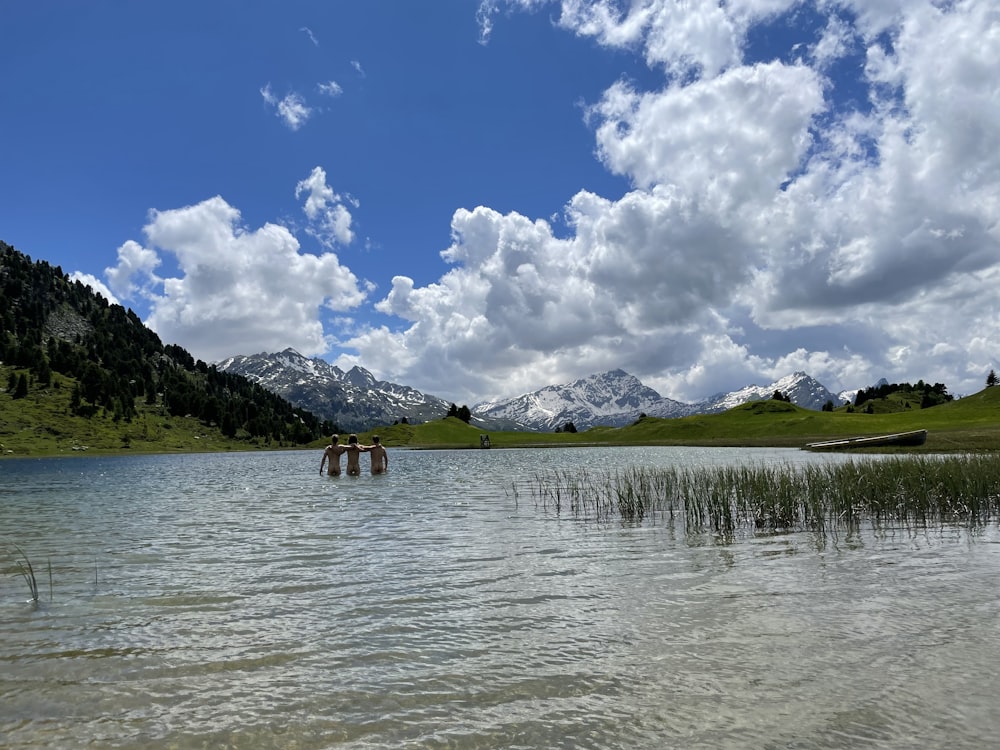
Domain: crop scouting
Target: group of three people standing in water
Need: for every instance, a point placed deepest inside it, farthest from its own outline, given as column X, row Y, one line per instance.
column 353, row 449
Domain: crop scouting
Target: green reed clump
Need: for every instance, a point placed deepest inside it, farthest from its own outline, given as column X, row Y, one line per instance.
column 633, row 492
column 916, row 491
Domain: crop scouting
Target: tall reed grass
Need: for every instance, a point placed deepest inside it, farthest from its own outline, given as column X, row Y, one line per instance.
column 919, row 490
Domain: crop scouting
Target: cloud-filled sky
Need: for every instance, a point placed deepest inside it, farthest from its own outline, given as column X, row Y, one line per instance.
column 478, row 199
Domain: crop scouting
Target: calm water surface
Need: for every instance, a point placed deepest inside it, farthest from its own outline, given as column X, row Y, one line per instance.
column 245, row 601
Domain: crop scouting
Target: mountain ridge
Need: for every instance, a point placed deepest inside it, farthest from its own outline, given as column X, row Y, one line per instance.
column 356, row 401
column 588, row 401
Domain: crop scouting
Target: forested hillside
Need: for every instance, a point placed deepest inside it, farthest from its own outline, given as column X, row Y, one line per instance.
column 57, row 334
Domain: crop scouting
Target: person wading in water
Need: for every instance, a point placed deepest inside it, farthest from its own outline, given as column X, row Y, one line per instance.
column 332, row 452
column 354, row 451
column 380, row 459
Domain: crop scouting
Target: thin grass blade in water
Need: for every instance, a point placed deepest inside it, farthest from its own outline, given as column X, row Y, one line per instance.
column 27, row 572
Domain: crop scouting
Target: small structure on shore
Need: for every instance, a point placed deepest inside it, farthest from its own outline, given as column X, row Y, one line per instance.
column 484, row 441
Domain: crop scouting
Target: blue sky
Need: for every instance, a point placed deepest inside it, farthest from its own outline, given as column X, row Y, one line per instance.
column 479, row 199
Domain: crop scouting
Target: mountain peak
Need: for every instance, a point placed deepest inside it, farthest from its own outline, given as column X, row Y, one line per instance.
column 614, row 398
column 360, row 377
column 800, row 388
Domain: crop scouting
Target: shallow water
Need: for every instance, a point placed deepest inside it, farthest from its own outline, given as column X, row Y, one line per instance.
column 245, row 601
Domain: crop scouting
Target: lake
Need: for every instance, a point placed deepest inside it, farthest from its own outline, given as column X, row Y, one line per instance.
column 246, row 601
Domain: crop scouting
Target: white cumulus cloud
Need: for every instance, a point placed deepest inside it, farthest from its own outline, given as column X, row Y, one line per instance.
column 238, row 290
column 135, row 269
column 329, row 218
column 769, row 228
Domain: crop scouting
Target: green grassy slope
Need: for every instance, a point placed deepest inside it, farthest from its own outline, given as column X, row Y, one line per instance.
column 42, row 424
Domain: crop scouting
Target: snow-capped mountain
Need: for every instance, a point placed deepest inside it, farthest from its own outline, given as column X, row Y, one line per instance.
column 354, row 400
column 616, row 398
column 847, row 397
column 801, row 389
column 612, row 398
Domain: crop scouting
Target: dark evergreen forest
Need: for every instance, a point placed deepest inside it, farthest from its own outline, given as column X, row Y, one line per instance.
column 929, row 395
column 50, row 324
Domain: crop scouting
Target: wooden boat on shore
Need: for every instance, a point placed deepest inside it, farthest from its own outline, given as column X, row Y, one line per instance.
column 911, row 438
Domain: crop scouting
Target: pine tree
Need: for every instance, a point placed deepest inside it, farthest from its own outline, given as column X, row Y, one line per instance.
column 992, row 379
column 21, row 389
column 75, row 399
